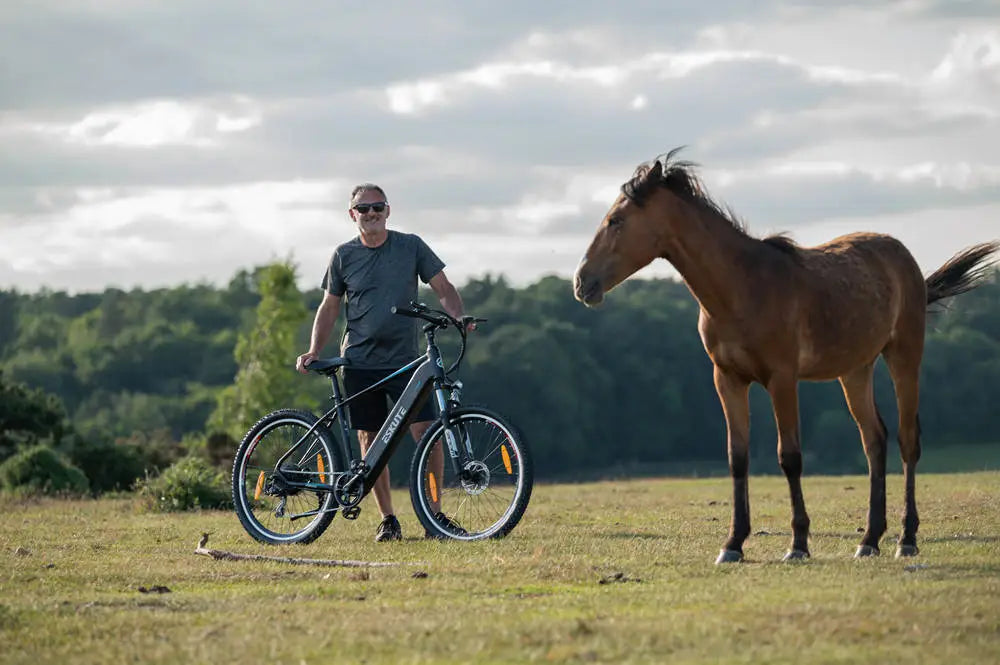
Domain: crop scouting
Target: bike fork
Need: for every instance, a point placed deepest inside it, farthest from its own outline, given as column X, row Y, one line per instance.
column 458, row 445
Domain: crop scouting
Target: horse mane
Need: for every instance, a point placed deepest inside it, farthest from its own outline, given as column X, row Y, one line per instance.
column 679, row 177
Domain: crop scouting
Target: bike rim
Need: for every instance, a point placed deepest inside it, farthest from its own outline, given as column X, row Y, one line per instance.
column 311, row 461
column 483, row 505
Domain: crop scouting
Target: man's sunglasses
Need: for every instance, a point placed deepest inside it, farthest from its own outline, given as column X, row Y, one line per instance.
column 365, row 207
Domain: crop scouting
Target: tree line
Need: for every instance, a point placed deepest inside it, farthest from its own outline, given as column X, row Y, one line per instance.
column 125, row 382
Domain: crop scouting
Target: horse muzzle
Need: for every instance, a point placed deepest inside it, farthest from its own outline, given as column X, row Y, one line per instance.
column 586, row 289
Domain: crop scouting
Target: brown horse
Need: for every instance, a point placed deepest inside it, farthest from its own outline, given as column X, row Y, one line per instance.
column 777, row 313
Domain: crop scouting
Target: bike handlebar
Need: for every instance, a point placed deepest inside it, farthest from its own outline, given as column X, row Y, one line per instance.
column 437, row 319
column 440, row 321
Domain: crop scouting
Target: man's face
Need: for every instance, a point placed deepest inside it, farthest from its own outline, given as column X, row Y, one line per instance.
column 364, row 211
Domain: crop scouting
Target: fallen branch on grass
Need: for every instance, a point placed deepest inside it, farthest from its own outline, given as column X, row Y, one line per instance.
column 230, row 556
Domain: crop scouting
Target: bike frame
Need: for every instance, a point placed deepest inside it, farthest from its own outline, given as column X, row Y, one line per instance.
column 429, row 375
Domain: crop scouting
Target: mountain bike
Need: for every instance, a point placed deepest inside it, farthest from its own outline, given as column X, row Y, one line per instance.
column 294, row 472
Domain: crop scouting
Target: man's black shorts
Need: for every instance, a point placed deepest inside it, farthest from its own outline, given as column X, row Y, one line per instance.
column 369, row 411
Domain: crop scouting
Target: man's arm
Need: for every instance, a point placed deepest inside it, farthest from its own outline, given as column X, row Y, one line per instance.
column 326, row 316
column 446, row 292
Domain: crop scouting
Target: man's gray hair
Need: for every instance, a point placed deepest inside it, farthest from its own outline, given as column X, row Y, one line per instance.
column 367, row 187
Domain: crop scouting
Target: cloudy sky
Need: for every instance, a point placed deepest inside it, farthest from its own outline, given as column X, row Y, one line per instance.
column 147, row 143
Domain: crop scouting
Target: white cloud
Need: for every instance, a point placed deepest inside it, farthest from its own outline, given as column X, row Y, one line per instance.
column 969, row 74
column 960, row 176
column 972, row 55
column 155, row 123
column 411, row 97
column 131, row 229
column 447, row 89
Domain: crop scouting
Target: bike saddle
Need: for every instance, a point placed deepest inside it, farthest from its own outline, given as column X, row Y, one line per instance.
column 327, row 365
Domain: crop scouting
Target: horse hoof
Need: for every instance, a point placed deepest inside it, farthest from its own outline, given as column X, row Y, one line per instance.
column 795, row 555
column 866, row 551
column 906, row 550
column 729, row 556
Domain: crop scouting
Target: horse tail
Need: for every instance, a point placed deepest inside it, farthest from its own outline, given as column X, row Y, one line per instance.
column 963, row 272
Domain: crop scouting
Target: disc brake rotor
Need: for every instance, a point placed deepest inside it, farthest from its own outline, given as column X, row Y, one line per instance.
column 478, row 478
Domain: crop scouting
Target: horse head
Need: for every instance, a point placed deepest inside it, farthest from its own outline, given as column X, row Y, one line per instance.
column 627, row 239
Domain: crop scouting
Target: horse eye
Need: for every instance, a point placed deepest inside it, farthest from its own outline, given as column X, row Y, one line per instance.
column 615, row 220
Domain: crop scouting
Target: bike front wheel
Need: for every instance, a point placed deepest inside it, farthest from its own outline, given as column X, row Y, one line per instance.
column 268, row 508
column 490, row 494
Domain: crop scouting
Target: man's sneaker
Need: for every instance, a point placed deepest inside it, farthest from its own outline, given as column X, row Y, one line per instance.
column 388, row 530
column 447, row 523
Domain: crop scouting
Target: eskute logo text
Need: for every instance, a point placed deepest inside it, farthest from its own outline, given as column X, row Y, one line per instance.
column 394, row 425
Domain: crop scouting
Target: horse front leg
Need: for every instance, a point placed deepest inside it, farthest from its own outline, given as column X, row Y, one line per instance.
column 734, row 395
column 785, row 400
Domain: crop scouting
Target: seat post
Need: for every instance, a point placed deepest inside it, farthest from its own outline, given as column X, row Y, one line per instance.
column 336, row 387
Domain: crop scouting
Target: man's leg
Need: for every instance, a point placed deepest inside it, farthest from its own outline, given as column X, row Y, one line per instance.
column 436, row 460
column 383, row 497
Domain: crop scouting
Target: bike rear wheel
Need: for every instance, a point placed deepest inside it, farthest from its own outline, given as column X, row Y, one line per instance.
column 268, row 509
column 492, row 497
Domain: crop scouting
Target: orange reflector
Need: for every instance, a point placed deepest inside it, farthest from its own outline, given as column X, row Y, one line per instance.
column 260, row 486
column 434, row 486
column 320, row 468
column 506, row 459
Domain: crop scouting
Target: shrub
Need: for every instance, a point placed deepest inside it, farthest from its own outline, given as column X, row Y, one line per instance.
column 189, row 484
column 109, row 466
column 117, row 465
column 41, row 470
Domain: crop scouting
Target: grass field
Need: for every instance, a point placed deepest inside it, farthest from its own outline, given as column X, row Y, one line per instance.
column 612, row 572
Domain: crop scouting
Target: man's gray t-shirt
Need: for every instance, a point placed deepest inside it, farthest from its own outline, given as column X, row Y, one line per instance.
column 374, row 280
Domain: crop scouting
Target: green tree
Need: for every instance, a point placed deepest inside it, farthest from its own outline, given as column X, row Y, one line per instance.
column 265, row 379
column 27, row 416
column 8, row 319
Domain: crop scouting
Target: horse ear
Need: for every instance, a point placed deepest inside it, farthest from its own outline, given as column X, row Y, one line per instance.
column 654, row 172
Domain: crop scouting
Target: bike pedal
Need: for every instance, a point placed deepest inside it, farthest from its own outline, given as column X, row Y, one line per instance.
column 351, row 513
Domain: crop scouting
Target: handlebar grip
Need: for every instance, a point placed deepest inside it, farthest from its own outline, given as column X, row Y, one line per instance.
column 417, row 314
column 402, row 311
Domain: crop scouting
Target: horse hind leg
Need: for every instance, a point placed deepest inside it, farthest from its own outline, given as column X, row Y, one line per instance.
column 860, row 395
column 904, row 368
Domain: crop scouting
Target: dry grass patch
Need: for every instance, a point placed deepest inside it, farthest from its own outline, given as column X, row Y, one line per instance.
column 604, row 572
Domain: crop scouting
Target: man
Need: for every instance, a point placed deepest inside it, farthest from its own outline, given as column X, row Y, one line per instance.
column 376, row 270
